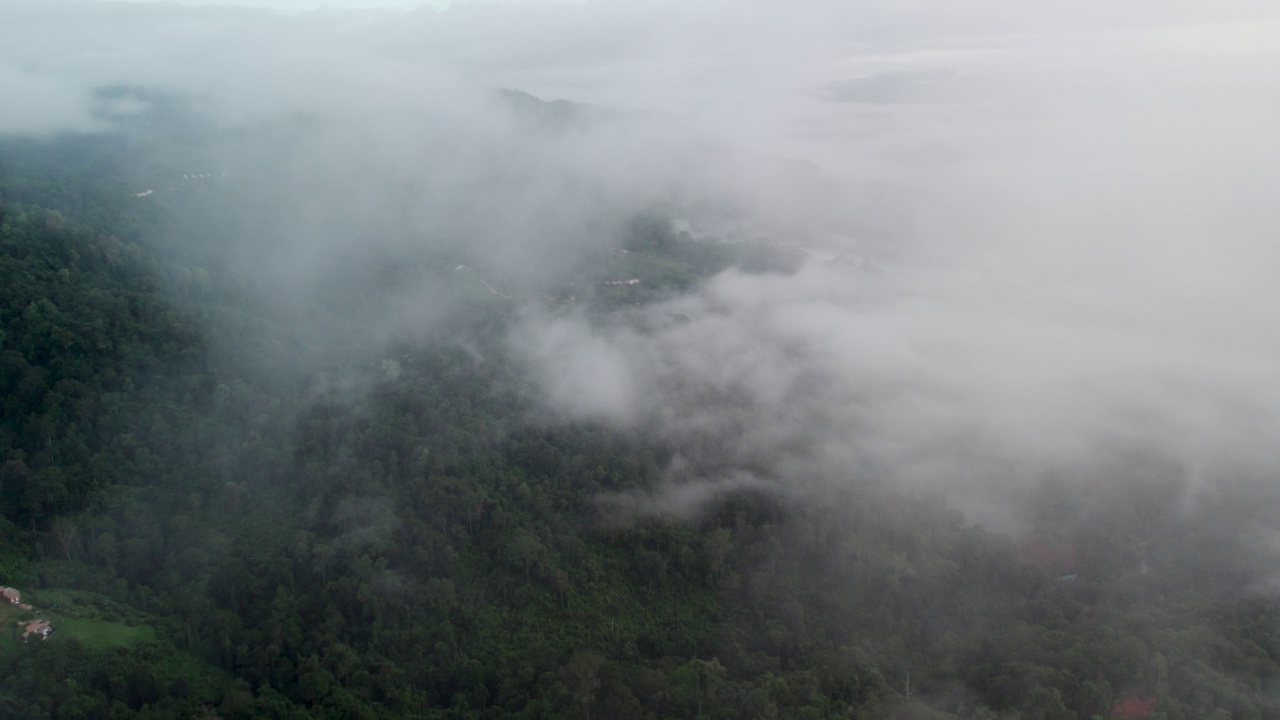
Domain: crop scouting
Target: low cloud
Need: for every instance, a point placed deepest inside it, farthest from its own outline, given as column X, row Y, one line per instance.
column 891, row 88
column 40, row 105
column 1069, row 206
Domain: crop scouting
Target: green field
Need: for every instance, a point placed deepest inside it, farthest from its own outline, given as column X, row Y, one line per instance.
column 101, row 635
column 90, row 618
column 8, row 620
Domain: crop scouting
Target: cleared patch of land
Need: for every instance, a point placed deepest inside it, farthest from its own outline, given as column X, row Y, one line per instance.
column 95, row 620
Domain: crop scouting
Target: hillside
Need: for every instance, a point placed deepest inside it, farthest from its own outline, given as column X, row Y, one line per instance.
column 271, row 456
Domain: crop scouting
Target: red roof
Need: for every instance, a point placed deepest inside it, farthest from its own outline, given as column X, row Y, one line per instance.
column 1133, row 708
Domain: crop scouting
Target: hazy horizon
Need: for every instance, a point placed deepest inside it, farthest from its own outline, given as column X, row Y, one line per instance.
column 1078, row 233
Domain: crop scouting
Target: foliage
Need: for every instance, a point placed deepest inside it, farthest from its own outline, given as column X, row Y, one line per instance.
column 236, row 535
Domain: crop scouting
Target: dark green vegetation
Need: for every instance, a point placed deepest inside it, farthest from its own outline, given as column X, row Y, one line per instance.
column 229, row 515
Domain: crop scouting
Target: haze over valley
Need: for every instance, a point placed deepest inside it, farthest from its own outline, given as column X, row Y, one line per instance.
column 639, row 360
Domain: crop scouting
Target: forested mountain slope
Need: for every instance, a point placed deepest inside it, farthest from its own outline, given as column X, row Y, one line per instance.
column 238, row 501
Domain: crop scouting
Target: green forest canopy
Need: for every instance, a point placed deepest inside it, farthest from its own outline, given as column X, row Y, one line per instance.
column 235, row 535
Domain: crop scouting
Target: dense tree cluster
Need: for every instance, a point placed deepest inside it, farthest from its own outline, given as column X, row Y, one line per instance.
column 419, row 541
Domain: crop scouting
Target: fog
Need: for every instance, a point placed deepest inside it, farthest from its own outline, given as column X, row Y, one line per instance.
column 1040, row 238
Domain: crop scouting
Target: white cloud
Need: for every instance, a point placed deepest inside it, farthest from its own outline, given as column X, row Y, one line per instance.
column 40, row 104
column 1079, row 227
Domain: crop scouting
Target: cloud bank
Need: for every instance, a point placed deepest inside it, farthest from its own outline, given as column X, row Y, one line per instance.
column 1068, row 206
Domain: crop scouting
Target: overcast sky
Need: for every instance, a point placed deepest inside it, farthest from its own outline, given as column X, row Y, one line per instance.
column 293, row 6
column 809, row 76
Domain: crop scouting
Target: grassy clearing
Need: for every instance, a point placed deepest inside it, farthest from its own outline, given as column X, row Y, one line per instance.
column 100, row 634
column 84, row 605
column 9, row 635
column 95, row 620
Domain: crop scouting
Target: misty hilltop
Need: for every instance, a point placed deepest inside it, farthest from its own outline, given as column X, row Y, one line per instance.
column 639, row 361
